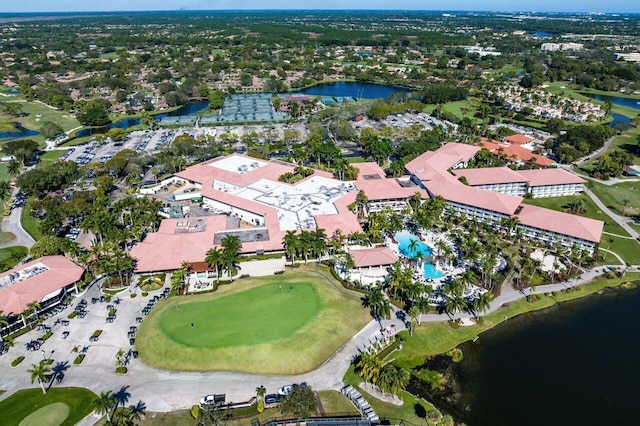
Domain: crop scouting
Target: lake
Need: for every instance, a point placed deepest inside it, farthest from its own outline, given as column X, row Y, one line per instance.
column 344, row 89
column 573, row 364
column 20, row 132
column 618, row 100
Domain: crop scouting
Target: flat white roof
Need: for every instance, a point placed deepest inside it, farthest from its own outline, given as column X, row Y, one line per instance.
column 237, row 164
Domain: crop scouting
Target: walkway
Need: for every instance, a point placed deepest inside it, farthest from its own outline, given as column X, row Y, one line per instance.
column 620, row 220
column 13, row 224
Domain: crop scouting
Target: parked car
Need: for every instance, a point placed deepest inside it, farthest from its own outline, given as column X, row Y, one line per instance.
column 272, row 398
column 286, row 390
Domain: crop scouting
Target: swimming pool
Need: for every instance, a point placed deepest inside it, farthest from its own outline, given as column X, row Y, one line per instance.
column 404, row 240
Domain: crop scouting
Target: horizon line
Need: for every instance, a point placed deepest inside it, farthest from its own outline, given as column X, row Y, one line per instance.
column 589, row 12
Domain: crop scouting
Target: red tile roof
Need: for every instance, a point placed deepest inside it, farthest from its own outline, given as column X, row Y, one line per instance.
column 542, row 177
column 490, row 175
column 378, row 256
column 61, row 273
column 562, row 223
column 457, row 192
column 514, row 153
column 518, row 139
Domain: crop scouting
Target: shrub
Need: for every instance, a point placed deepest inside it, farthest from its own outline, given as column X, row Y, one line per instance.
column 79, row 359
column 72, row 315
column 433, row 378
column 453, row 324
column 195, row 411
column 112, row 312
column 121, row 370
column 260, row 406
column 133, row 295
column 97, row 333
column 145, row 294
column 17, row 361
column 47, row 335
column 456, row 354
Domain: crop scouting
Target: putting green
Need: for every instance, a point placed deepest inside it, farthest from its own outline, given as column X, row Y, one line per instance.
column 284, row 324
column 60, row 406
column 50, row 415
column 258, row 315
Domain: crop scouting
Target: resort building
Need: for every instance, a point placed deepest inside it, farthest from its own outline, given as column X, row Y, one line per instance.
column 371, row 264
column 248, row 197
column 515, row 154
column 45, row 281
column 496, row 194
column 536, row 182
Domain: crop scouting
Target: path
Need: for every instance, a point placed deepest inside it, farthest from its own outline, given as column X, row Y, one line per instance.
column 13, row 224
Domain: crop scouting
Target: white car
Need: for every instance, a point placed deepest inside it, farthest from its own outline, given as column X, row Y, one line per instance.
column 285, row 390
column 207, row 399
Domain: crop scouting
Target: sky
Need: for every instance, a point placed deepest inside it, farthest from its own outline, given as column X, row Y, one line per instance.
column 625, row 6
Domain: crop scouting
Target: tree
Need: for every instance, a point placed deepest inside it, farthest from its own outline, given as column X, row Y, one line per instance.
column 300, row 402
column 39, row 372
column 377, row 303
column 5, row 192
column 104, row 404
column 482, row 302
column 214, row 260
column 50, row 130
column 213, row 415
column 95, row 115
column 291, row 244
column 231, row 245
column 261, row 391
column 117, row 134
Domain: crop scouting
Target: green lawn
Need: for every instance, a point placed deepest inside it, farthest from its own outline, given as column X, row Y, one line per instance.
column 4, row 175
column 36, row 114
column 627, row 248
column 254, row 326
column 222, row 322
column 335, row 402
column 10, row 256
column 30, row 223
column 460, row 109
column 75, row 402
column 614, row 196
column 50, row 157
column 5, row 237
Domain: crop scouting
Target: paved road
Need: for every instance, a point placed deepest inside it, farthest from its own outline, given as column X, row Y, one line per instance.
column 12, row 223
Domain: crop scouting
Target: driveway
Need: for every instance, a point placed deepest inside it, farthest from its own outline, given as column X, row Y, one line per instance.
column 13, row 224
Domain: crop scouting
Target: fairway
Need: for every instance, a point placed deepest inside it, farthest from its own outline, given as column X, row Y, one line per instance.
column 60, row 406
column 285, row 324
column 259, row 315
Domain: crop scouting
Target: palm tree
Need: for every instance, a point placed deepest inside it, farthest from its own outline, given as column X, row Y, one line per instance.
column 413, row 246
column 261, row 391
column 4, row 321
column 319, row 242
column 214, row 260
column 5, row 191
column 369, row 366
column 453, row 304
column 482, row 302
column 231, row 245
column 104, row 404
column 13, row 168
column 291, row 243
column 378, row 304
column 362, row 204
column 414, row 314
column 39, row 372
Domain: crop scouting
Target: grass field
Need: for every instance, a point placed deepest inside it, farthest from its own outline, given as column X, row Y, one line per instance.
column 50, row 157
column 460, row 109
column 60, row 406
column 572, row 91
column 36, row 114
column 10, row 256
column 254, row 326
column 30, row 223
column 614, row 196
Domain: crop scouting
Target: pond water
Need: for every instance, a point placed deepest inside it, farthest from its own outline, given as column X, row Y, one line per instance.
column 573, row 364
column 345, row 89
column 20, row 132
column 619, row 100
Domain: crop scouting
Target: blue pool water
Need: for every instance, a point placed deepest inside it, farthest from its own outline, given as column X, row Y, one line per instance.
column 404, row 240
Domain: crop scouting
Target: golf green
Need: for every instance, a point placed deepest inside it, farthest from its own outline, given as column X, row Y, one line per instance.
column 283, row 324
column 258, row 315
column 60, row 406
